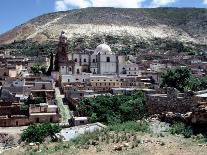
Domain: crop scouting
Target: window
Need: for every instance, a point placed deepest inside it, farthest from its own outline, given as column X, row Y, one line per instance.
column 78, row 71
column 68, row 80
column 17, row 123
column 76, row 60
column 94, row 60
column 70, row 69
column 81, row 122
column 129, row 68
column 84, row 60
column 135, row 69
column 51, row 120
column 107, row 59
column 43, row 86
column 37, row 120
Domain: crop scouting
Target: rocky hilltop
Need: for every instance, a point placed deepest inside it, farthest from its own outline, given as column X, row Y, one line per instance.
column 159, row 28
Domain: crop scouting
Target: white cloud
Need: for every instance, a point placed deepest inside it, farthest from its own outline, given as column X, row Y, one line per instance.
column 158, row 3
column 62, row 5
column 205, row 2
column 117, row 3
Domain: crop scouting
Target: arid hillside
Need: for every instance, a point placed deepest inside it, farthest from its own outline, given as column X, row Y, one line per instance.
column 140, row 28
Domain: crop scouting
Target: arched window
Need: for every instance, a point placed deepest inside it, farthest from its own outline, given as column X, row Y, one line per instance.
column 76, row 60
column 70, row 69
column 84, row 60
column 94, row 60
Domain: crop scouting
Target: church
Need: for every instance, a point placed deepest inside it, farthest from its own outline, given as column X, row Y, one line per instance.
column 101, row 61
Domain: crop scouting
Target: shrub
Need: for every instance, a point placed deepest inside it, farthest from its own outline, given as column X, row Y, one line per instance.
column 141, row 126
column 37, row 132
column 114, row 109
column 181, row 128
column 200, row 138
column 86, row 138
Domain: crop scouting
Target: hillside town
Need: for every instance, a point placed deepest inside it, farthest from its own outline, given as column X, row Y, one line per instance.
column 48, row 88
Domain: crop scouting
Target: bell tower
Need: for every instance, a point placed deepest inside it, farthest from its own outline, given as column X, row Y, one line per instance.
column 61, row 58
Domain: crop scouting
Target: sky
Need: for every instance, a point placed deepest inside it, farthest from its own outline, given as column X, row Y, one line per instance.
column 16, row 12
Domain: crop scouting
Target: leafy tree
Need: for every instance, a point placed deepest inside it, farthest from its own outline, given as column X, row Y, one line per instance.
column 196, row 83
column 37, row 132
column 114, row 109
column 177, row 78
column 37, row 69
column 182, row 79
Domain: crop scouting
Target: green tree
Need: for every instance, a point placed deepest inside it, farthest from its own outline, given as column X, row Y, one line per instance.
column 37, row 132
column 37, row 69
column 177, row 78
column 114, row 109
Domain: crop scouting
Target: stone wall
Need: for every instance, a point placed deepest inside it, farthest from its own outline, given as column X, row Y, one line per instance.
column 171, row 101
column 199, row 112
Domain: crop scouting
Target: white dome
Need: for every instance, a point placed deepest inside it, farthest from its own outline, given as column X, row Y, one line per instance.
column 103, row 49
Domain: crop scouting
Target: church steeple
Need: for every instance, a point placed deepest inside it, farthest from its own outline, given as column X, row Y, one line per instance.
column 61, row 58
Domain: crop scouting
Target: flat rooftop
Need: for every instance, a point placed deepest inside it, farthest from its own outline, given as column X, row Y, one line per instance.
column 73, row 132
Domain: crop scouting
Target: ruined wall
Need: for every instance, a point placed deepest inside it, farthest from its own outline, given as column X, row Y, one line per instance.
column 170, row 102
column 14, row 122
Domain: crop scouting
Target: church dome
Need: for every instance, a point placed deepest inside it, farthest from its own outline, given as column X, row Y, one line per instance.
column 103, row 49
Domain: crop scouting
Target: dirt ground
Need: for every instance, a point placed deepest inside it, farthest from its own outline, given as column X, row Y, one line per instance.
column 150, row 145
column 159, row 142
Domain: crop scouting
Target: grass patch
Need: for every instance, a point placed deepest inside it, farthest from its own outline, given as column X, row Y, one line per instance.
column 141, row 126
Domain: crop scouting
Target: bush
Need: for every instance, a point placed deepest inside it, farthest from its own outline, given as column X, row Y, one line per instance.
column 37, row 132
column 141, row 126
column 181, row 129
column 200, row 138
column 114, row 109
column 86, row 138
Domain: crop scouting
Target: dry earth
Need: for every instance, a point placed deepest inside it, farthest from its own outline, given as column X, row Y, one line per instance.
column 150, row 145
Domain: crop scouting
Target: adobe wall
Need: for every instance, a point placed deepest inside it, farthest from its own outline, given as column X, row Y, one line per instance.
column 14, row 122
column 44, row 119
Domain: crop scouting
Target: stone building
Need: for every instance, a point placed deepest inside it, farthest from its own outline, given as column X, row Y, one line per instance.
column 199, row 112
column 170, row 101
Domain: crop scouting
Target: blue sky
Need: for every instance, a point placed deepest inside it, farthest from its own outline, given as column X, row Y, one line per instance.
column 16, row 12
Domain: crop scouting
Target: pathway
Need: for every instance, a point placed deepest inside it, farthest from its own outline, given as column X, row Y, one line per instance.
column 64, row 110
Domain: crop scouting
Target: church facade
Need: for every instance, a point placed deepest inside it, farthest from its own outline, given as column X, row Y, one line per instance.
column 101, row 61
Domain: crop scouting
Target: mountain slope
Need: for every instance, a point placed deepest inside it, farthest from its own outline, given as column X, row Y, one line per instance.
column 186, row 25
